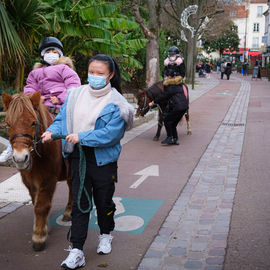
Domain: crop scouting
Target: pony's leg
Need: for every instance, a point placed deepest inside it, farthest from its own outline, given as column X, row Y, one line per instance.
column 160, row 124
column 41, row 211
column 188, row 123
column 30, row 186
column 67, row 213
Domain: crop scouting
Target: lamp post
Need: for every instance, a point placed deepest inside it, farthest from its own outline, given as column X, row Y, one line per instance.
column 245, row 40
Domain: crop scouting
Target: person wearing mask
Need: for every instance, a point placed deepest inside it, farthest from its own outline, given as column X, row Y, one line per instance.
column 173, row 94
column 52, row 76
column 94, row 119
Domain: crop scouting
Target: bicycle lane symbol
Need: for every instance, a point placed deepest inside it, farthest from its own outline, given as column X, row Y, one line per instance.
column 132, row 215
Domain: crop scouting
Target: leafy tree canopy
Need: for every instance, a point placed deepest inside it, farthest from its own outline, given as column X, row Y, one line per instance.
column 227, row 39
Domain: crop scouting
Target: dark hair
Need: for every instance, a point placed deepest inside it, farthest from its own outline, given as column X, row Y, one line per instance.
column 113, row 67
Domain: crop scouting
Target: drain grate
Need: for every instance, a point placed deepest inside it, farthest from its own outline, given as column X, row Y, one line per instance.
column 233, row 124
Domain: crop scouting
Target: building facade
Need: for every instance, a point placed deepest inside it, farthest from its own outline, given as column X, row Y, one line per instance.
column 266, row 38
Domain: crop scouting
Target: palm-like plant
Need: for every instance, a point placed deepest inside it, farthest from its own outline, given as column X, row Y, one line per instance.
column 11, row 47
column 26, row 17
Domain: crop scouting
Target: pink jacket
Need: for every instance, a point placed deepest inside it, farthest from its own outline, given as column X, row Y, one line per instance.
column 52, row 80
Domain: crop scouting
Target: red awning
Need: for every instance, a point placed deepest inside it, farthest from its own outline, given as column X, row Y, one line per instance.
column 241, row 51
column 254, row 53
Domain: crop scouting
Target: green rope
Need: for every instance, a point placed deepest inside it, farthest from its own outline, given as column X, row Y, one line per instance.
column 82, row 171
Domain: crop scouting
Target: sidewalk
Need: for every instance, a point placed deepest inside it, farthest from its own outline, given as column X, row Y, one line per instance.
column 195, row 235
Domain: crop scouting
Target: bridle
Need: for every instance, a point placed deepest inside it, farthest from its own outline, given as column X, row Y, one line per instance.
column 145, row 105
column 34, row 139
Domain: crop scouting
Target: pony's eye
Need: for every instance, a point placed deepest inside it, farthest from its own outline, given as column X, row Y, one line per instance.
column 33, row 124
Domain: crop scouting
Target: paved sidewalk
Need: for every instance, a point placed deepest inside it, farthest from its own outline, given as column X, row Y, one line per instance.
column 194, row 235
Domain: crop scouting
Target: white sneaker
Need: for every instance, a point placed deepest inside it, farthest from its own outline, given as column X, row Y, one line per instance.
column 105, row 244
column 74, row 260
column 6, row 155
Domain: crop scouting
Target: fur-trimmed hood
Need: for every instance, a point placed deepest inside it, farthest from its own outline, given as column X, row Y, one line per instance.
column 175, row 80
column 62, row 60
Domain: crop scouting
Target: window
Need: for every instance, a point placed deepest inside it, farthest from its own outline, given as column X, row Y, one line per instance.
column 259, row 11
column 255, row 42
column 233, row 13
column 256, row 27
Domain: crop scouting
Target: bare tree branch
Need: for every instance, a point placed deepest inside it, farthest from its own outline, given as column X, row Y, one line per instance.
column 148, row 34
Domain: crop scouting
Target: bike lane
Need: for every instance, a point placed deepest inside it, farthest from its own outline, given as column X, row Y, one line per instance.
column 141, row 210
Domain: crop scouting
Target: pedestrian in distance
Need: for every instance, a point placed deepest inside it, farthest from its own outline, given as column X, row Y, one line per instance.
column 208, row 69
column 256, row 74
column 94, row 118
column 218, row 64
column 228, row 70
column 222, row 69
column 174, row 95
column 245, row 67
column 52, row 76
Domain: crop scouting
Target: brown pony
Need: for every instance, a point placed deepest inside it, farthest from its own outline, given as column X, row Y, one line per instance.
column 144, row 97
column 40, row 165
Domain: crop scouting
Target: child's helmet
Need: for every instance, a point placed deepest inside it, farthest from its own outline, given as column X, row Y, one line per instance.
column 50, row 43
column 173, row 51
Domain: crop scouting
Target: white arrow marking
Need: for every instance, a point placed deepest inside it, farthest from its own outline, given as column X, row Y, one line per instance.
column 152, row 170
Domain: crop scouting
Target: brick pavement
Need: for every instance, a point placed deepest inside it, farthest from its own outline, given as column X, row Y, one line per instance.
column 194, row 235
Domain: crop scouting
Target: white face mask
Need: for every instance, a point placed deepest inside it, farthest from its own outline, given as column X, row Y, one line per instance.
column 172, row 58
column 51, row 58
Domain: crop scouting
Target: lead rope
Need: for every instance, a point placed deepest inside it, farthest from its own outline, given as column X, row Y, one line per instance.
column 82, row 171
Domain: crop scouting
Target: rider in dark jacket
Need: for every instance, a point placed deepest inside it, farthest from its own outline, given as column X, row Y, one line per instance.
column 174, row 94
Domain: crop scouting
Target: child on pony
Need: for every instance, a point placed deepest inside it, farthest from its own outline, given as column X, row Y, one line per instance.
column 53, row 76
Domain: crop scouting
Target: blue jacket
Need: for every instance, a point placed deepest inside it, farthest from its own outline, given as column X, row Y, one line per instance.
column 109, row 129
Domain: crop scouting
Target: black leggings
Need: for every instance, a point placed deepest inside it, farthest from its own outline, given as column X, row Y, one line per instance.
column 171, row 120
column 100, row 183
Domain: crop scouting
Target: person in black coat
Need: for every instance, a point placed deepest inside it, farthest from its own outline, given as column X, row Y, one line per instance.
column 177, row 103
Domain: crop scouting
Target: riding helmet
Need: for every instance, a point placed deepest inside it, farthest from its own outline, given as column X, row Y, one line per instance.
column 173, row 51
column 50, row 43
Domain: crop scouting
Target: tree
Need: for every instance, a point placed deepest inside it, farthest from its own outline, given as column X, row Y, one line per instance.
column 151, row 33
column 195, row 15
column 227, row 39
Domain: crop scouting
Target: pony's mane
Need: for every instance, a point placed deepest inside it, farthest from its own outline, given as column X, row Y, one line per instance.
column 18, row 104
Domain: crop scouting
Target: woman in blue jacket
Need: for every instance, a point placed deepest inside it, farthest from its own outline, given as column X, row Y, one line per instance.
column 94, row 116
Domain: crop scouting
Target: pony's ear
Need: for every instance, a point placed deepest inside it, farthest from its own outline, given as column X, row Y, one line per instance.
column 6, row 99
column 35, row 99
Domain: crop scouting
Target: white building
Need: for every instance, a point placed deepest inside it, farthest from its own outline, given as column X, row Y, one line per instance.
column 250, row 21
column 256, row 24
column 266, row 38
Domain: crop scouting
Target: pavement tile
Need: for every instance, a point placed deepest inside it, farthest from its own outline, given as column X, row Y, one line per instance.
column 215, row 260
column 193, row 265
column 177, row 251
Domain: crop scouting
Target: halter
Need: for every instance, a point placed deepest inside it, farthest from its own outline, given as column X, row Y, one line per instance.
column 144, row 104
column 35, row 141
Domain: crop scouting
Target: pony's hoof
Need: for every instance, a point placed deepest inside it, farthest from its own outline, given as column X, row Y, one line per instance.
column 189, row 133
column 155, row 138
column 66, row 218
column 39, row 246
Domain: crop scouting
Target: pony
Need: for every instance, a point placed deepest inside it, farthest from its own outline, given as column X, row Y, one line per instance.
column 40, row 165
column 144, row 97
